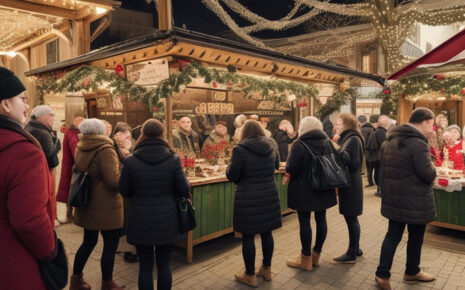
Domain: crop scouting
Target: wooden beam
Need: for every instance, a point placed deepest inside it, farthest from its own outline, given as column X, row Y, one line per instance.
column 164, row 15
column 100, row 29
column 38, row 8
column 107, row 4
column 34, row 40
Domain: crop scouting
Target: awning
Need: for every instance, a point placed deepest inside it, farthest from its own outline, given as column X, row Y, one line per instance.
column 449, row 51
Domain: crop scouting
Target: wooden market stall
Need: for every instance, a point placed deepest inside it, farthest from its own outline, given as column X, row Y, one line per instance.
column 437, row 81
column 155, row 61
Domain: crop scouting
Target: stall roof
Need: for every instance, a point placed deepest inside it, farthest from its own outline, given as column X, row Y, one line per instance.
column 449, row 51
column 178, row 35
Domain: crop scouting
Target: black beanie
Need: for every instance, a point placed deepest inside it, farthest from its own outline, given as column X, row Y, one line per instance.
column 421, row 114
column 10, row 85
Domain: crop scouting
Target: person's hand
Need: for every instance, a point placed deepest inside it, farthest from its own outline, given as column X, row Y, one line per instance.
column 286, row 178
column 336, row 137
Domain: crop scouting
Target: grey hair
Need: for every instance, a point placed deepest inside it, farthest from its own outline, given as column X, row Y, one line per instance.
column 92, row 127
column 41, row 111
column 309, row 123
column 239, row 121
column 453, row 127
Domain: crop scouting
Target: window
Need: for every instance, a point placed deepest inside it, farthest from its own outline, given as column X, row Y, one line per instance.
column 53, row 53
column 366, row 63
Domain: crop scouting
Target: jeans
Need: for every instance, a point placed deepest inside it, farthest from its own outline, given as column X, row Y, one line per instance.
column 248, row 251
column 392, row 239
column 377, row 167
column 370, row 170
column 146, row 261
column 306, row 231
column 354, row 235
column 110, row 244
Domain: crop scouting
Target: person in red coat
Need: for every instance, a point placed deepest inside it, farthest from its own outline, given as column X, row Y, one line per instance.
column 26, row 224
column 70, row 141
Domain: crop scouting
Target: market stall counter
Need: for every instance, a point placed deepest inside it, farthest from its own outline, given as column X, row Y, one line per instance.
column 449, row 195
column 213, row 200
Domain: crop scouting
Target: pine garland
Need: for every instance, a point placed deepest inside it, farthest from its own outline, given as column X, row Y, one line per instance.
column 338, row 99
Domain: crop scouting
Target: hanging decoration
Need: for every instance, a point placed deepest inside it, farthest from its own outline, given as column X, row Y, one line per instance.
column 88, row 78
column 338, row 99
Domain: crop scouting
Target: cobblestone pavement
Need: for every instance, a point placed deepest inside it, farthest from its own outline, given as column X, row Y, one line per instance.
column 215, row 262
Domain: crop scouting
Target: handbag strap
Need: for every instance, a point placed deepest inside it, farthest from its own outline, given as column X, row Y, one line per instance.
column 92, row 160
column 308, row 148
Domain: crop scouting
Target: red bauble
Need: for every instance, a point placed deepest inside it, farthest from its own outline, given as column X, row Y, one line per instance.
column 230, row 84
column 85, row 83
column 403, row 96
column 440, row 77
column 119, row 69
column 155, row 109
column 387, row 92
column 442, row 90
column 302, row 104
column 215, row 85
column 462, row 91
column 443, row 182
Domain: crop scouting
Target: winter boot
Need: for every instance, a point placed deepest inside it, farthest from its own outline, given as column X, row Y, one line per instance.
column 315, row 258
column 265, row 272
column 78, row 283
column 383, row 283
column 302, row 262
column 111, row 285
column 250, row 280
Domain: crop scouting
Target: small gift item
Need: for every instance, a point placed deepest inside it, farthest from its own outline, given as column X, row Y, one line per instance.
column 443, row 182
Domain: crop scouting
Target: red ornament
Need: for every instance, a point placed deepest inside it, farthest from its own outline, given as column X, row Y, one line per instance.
column 85, row 83
column 442, row 90
column 443, row 182
column 387, row 92
column 63, row 129
column 230, row 84
column 155, row 109
column 302, row 104
column 183, row 63
column 462, row 91
column 403, row 96
column 119, row 69
column 215, row 85
column 440, row 77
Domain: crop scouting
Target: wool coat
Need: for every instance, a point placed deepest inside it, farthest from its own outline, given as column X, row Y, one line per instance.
column 351, row 152
column 256, row 202
column 407, row 177
column 152, row 178
column 44, row 135
column 70, row 141
column 26, row 223
column 374, row 143
column 300, row 195
column 283, row 140
column 105, row 208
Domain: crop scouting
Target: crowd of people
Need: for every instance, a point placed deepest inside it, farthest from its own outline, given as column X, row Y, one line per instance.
column 137, row 176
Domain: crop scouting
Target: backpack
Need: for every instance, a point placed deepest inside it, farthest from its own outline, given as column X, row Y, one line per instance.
column 327, row 171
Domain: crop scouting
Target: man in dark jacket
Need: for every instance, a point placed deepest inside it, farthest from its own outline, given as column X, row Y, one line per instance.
column 366, row 130
column 374, row 145
column 40, row 126
column 408, row 200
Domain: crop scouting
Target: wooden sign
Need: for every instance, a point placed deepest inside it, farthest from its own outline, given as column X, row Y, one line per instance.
column 148, row 72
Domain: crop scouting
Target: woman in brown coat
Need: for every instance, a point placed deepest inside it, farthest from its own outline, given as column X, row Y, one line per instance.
column 104, row 213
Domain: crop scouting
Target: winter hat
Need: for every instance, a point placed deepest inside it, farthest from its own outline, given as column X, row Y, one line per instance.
column 309, row 123
column 10, row 85
column 40, row 111
column 421, row 114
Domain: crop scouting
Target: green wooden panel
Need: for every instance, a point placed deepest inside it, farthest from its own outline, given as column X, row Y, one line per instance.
column 454, row 207
column 215, row 207
column 221, row 206
column 448, row 206
column 441, row 208
column 228, row 204
column 204, row 222
column 197, row 202
column 462, row 208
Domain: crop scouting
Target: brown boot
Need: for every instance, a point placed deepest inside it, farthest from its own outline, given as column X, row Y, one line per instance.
column 250, row 280
column 265, row 272
column 111, row 285
column 383, row 283
column 315, row 258
column 78, row 283
column 420, row 277
column 302, row 262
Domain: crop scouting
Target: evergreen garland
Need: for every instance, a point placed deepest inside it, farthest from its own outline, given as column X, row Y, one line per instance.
column 338, row 99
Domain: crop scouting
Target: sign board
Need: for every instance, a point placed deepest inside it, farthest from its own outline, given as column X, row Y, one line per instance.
column 148, row 72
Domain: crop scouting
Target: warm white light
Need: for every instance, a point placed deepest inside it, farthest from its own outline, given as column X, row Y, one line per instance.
column 100, row 10
column 8, row 53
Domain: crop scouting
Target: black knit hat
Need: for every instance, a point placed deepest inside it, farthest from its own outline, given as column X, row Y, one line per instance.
column 10, row 85
column 421, row 114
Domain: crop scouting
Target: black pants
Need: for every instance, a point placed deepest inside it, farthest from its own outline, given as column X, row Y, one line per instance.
column 110, row 244
column 248, row 251
column 354, row 235
column 306, row 231
column 162, row 256
column 370, row 169
column 392, row 239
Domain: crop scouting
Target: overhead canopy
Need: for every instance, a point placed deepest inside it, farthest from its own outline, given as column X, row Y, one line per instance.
column 450, row 51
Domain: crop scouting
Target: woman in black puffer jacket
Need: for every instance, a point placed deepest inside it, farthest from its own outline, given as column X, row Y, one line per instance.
column 302, row 197
column 351, row 197
column 152, row 178
column 256, row 202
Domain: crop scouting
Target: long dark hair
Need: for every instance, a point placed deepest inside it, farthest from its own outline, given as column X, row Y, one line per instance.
column 251, row 129
column 152, row 129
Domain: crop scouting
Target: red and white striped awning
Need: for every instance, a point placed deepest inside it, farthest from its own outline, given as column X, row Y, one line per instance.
column 449, row 51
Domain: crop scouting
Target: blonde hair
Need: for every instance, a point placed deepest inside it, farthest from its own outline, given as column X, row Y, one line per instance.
column 308, row 124
column 350, row 121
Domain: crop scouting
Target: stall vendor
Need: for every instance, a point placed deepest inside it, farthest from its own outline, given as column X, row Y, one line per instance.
column 185, row 139
column 219, row 139
column 453, row 149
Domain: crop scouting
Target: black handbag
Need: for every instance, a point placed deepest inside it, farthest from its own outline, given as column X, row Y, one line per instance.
column 55, row 272
column 81, row 183
column 327, row 170
column 186, row 215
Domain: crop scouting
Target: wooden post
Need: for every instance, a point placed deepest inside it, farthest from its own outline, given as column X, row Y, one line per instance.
column 169, row 119
column 164, row 15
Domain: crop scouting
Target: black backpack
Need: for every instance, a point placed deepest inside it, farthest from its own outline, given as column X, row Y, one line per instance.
column 327, row 170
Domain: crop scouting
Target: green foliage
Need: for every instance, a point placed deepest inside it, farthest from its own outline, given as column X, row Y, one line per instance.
column 334, row 103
